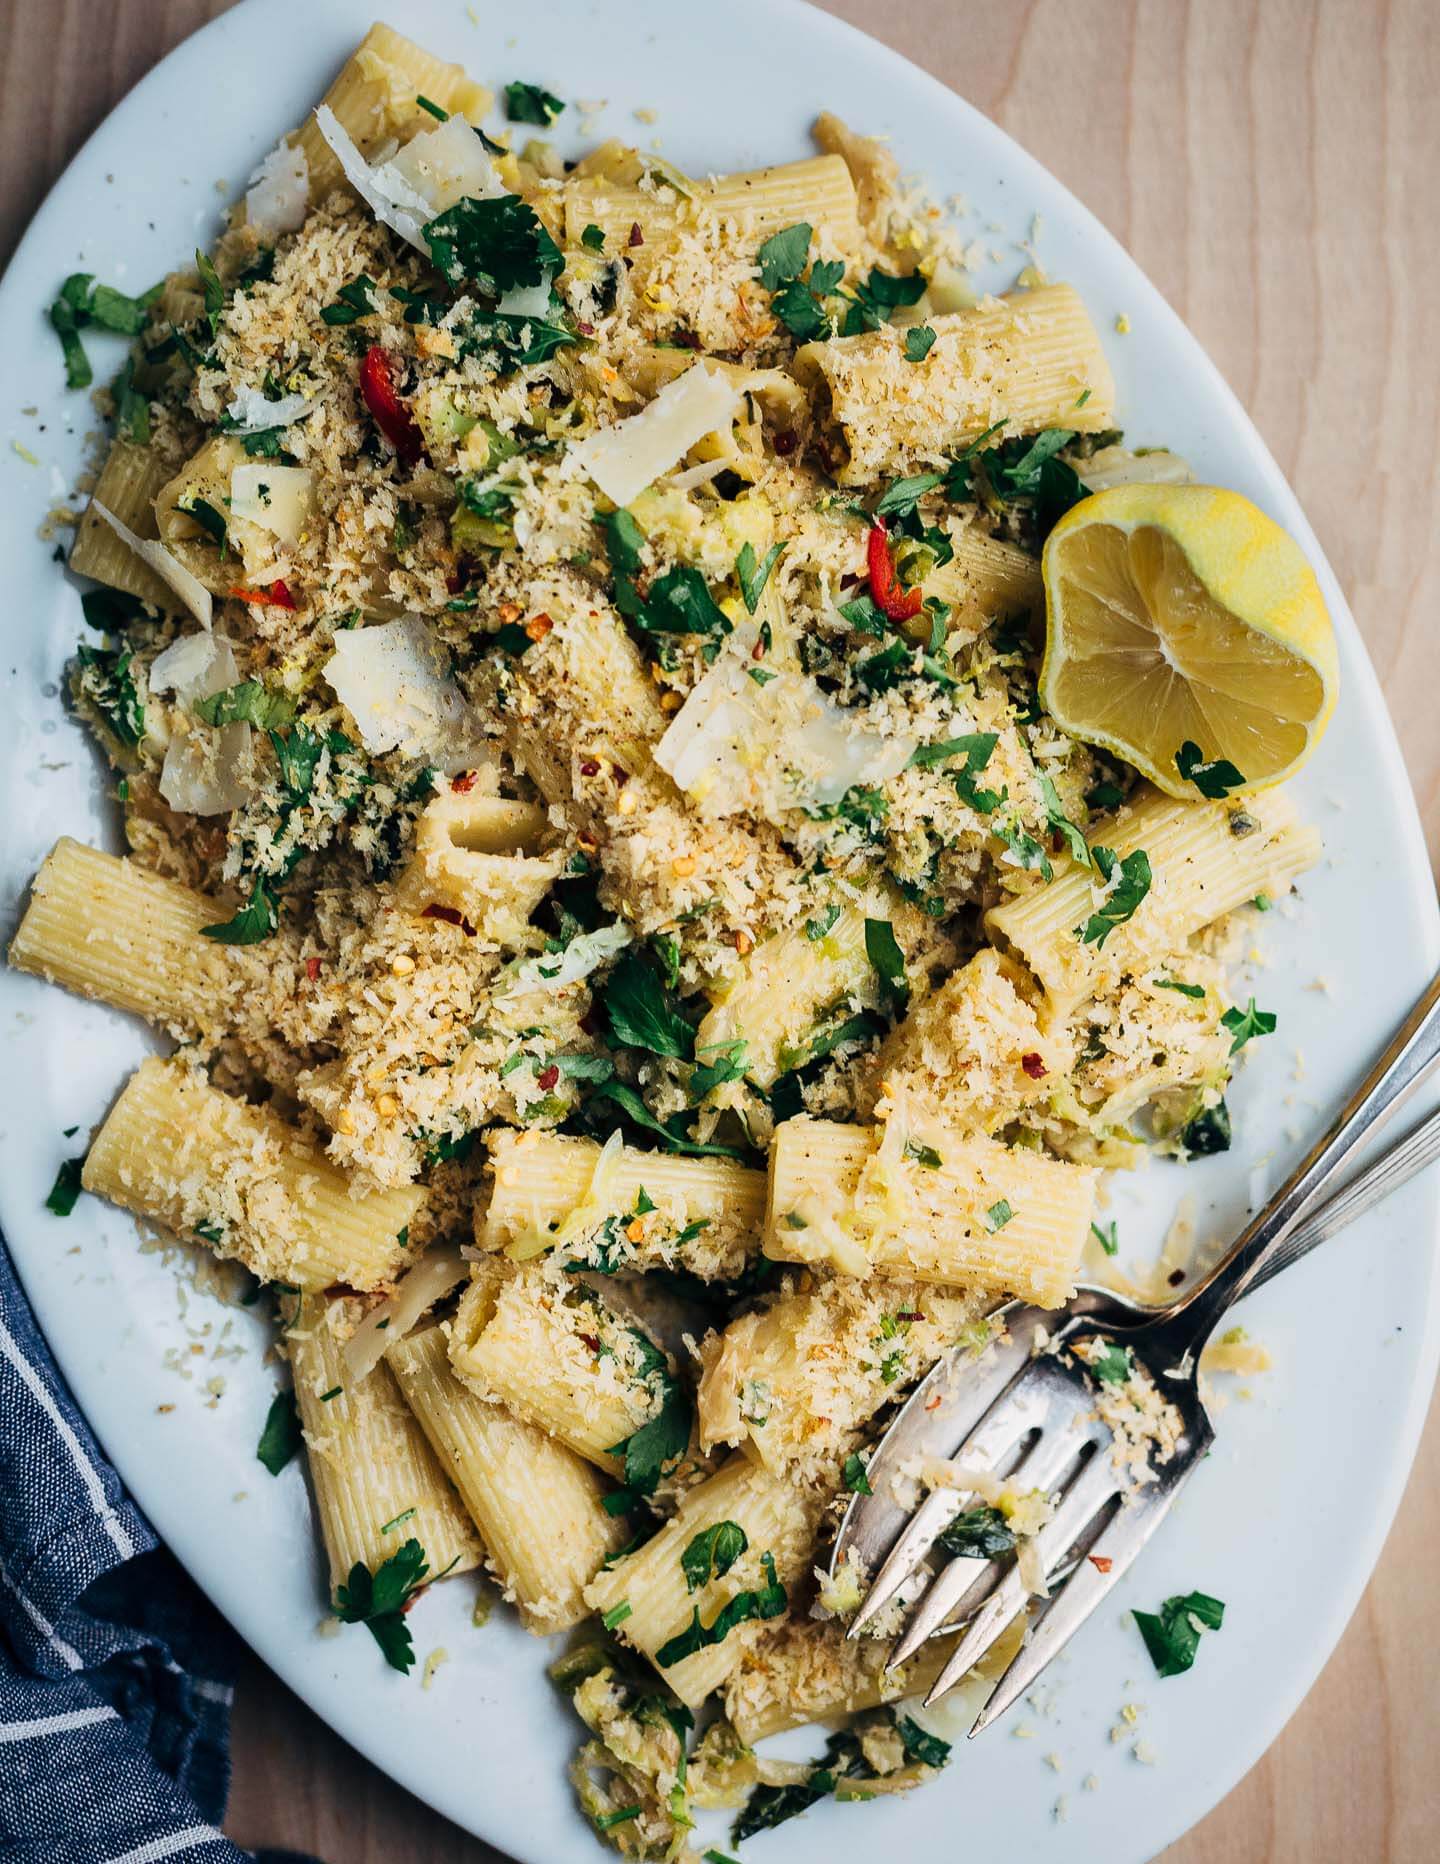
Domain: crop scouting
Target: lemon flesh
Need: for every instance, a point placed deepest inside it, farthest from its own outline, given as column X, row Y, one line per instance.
column 1182, row 614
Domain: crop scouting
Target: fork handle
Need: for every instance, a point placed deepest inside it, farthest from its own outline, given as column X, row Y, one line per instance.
column 1261, row 1248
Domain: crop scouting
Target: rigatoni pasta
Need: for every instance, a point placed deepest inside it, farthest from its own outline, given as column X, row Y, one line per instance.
column 653, row 975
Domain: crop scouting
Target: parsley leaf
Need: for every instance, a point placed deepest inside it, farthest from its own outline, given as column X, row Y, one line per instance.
column 922, row 1155
column 888, row 962
column 1172, row 1636
column 281, row 1437
column 679, row 602
column 753, row 577
column 355, row 300
column 998, row 1215
column 673, row 1141
column 769, row 1806
column 712, row 1553
column 728, row 1065
column 1197, row 991
column 901, row 497
column 639, row 1014
column 213, row 289
column 66, row 1188
column 531, row 103
column 1062, row 825
column 782, row 256
column 111, row 611
column 1121, row 903
column 919, row 340
column 256, row 919
column 624, row 541
column 881, row 293
column 977, row 1533
column 247, row 703
column 107, row 685
column 853, row 1474
column 1208, row 1132
column 377, row 1600
column 801, row 312
column 1113, row 1366
column 495, row 244
column 659, row 1442
column 768, row 1602
column 919, row 1744
column 1244, row 1025
column 1215, row 779
column 816, row 928
column 593, row 238
column 882, row 670
column 1025, row 851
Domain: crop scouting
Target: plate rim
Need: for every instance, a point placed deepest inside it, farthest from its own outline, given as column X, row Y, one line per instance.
column 288, row 1663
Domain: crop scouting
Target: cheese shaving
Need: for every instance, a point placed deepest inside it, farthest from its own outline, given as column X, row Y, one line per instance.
column 626, row 457
column 191, row 591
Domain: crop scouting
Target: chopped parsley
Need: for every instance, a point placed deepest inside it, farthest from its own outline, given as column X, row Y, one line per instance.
column 769, row 1806
column 616, row 1615
column 256, row 919
column 753, row 576
column 923, row 1155
column 671, row 1135
column 882, row 292
column 919, row 340
column 1214, row 779
column 899, row 499
column 1208, row 1132
column 247, row 703
column 728, row 1064
column 661, row 1441
column 768, row 1601
column 1114, row 1366
column 712, row 1553
column 531, row 103
column 1125, row 895
column 980, row 1533
column 679, row 602
column 1172, row 1635
column 497, row 245
column 281, row 1437
column 1244, row 1025
column 853, row 1474
column 783, row 256
column 976, row 748
column 822, row 923
column 1197, row 991
column 377, row 1600
column 1107, row 1236
column 624, row 541
column 66, row 1188
column 998, row 1215
column 593, row 238
column 106, row 684
column 888, row 962
column 1061, row 824
column 919, row 1744
column 355, row 300
column 80, row 303
column 639, row 1013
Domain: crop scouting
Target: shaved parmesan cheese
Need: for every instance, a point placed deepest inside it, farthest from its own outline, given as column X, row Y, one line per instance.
column 551, row 970
column 526, row 301
column 207, row 771
column 251, row 413
column 770, row 746
column 395, row 679
column 191, row 591
column 433, row 171
column 418, row 1289
column 445, row 165
column 277, row 498
column 625, row 458
column 278, row 198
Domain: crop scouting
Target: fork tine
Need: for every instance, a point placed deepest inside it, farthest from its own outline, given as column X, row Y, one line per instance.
column 1119, row 1542
column 1059, row 1444
column 1094, row 1486
column 1016, row 1412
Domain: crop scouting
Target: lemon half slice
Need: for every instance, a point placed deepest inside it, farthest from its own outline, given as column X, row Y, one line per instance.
column 1181, row 615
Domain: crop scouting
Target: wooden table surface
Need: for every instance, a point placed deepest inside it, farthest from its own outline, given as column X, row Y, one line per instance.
column 1272, row 165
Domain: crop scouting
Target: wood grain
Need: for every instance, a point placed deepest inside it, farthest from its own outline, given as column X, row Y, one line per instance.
column 1272, row 165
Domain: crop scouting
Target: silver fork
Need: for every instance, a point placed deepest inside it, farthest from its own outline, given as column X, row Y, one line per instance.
column 1016, row 1413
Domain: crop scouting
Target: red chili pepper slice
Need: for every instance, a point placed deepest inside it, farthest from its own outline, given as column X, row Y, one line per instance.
column 895, row 603
column 273, row 595
column 392, row 417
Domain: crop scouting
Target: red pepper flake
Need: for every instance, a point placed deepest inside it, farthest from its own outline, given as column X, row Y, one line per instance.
column 1101, row 1562
column 687, row 339
column 538, row 627
column 392, row 416
column 895, row 603
column 586, row 330
column 933, row 1404
column 1034, row 1066
column 273, row 595
column 637, row 238
column 589, row 768
column 465, row 782
column 592, row 1340
column 785, row 442
column 312, row 969
column 547, row 1078
column 451, row 918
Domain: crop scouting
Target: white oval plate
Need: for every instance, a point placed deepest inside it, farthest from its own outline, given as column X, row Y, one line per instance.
column 1287, row 1520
